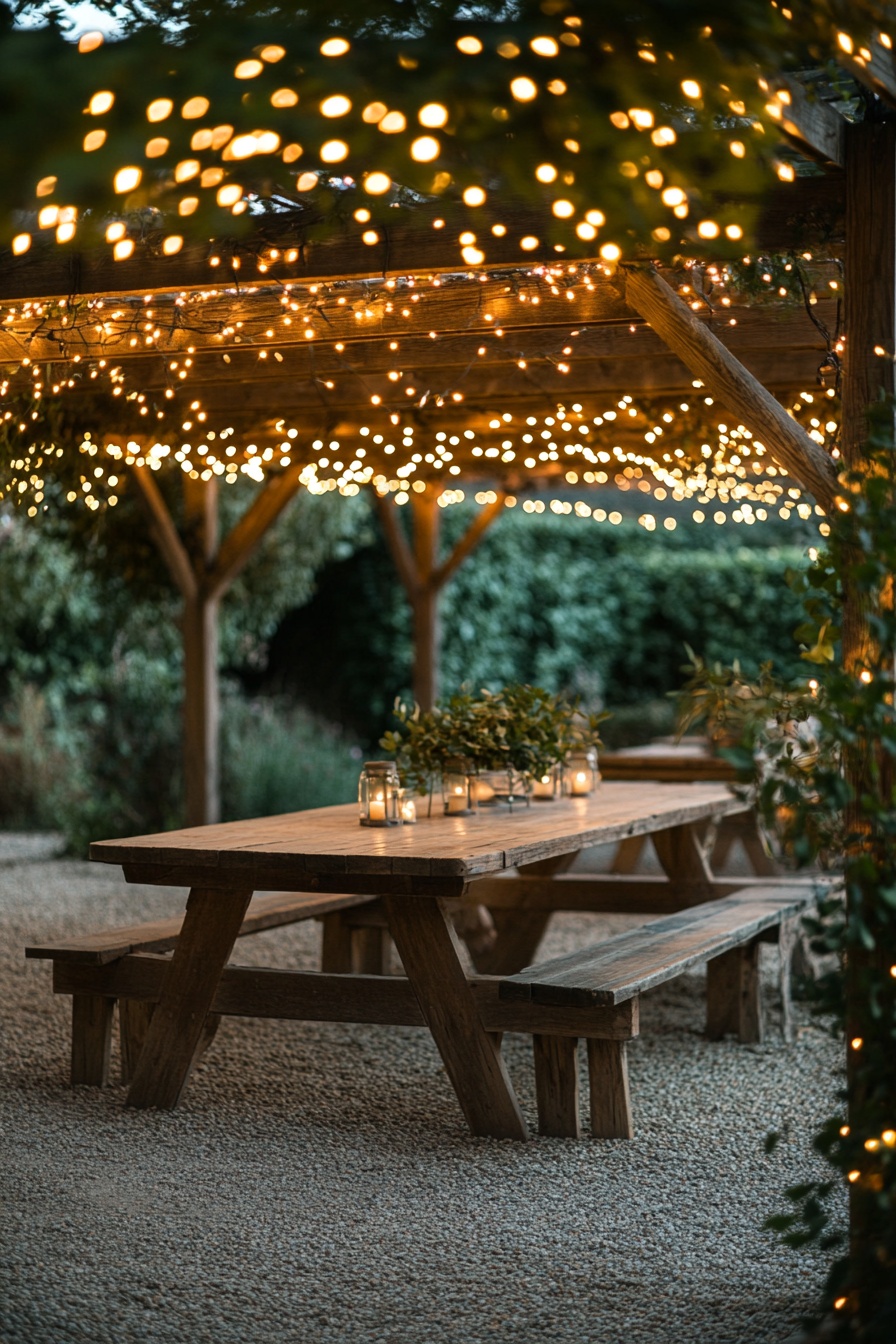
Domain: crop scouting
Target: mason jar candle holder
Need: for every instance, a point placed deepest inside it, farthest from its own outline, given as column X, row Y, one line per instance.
column 546, row 787
column 378, row 790
column 407, row 807
column 501, row 786
column 582, row 776
column 458, row 779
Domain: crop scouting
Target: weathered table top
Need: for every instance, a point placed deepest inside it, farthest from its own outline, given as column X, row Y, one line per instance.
column 302, row 849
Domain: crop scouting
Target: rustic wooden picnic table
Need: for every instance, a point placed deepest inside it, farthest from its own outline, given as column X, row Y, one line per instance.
column 514, row 862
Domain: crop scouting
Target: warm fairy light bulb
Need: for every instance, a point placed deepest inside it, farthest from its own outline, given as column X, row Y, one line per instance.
column 90, row 42
column 377, row 184
column 596, row 217
column 691, row 89
column 433, row 115
column 470, row 46
column 284, row 98
column 48, row 217
column 333, row 151
column 334, row 46
column 115, row 231
column 173, row 243
column 46, row 186
column 159, row 109
column 708, row 228
column 306, row 181
column 563, row 209
column 229, row 194
column 610, row 252
column 272, row 54
column 123, row 249
column 425, row 148
column 546, row 172
column 587, row 232
column 21, row 243
column 66, row 231
column 156, row 147
column 544, row 46
column 100, row 103
column 734, row 232
column 336, row 106
column 248, row 69
column 194, row 107
column 523, row 89
column 738, row 148
column 374, row 113
column 845, row 43
column 186, row 169
column 370, row 236
column 663, row 135
column 641, row 117
column 474, row 196
column 94, row 140
column 392, row 123
column 786, row 172
column 673, row 196
column 472, row 255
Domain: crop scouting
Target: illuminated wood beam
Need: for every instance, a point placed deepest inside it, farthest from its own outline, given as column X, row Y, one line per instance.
column 877, row 74
column 725, row 377
column 813, row 126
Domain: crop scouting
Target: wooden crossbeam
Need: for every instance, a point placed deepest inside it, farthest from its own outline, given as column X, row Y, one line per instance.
column 788, row 442
column 812, row 125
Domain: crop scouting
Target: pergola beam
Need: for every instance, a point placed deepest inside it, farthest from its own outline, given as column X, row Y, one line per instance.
column 812, row 125
column 878, row 74
column 789, row 444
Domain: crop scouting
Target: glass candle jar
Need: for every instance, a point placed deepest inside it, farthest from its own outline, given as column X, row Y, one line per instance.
column 378, row 794
column 581, row 772
column 407, row 807
column 547, row 786
column 458, row 781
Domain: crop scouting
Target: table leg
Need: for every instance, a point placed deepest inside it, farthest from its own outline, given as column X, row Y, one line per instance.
column 176, row 1032
column 424, row 937
column 683, row 858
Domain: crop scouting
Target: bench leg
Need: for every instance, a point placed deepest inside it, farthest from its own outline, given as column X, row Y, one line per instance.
column 336, row 944
column 91, row 1039
column 733, row 1000
column 557, row 1085
column 611, row 1104
column 789, row 939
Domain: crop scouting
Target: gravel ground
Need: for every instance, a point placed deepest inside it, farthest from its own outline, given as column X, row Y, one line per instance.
column 317, row 1183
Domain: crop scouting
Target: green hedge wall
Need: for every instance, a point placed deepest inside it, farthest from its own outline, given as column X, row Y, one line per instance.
column 600, row 611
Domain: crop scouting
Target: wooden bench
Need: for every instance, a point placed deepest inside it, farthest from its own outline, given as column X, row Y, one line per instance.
column 725, row 934
column 346, row 947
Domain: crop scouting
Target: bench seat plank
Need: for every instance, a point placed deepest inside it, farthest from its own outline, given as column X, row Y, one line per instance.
column 268, row 910
column 625, row 965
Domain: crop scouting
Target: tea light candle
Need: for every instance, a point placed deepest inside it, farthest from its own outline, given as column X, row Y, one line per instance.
column 457, row 801
column 544, row 787
column 378, row 808
column 408, row 810
column 580, row 782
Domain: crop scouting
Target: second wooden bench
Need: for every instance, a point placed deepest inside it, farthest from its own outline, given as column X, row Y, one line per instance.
column 725, row 935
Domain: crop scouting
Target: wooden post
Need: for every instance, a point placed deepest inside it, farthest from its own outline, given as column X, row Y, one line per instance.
column 203, row 570
column 425, row 604
column 869, row 321
column 424, row 578
column 199, row 621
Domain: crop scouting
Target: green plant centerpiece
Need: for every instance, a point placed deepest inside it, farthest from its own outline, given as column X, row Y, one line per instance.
column 520, row 732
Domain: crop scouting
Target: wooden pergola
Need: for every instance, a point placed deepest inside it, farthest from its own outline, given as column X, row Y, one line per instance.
column 284, row 347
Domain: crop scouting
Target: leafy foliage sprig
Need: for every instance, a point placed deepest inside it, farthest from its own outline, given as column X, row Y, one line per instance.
column 521, row 728
column 819, row 761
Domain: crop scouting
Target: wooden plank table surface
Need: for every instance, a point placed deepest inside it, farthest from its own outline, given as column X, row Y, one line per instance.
column 414, row 869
